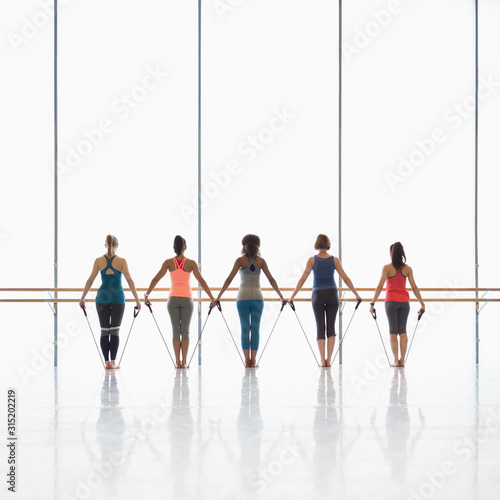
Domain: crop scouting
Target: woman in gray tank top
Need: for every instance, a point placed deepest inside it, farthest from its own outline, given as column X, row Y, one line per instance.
column 250, row 301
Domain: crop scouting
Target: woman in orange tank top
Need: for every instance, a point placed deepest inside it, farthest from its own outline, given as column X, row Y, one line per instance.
column 397, row 299
column 180, row 299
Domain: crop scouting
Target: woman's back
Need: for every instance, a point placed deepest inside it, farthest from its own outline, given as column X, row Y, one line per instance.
column 111, row 290
column 250, row 279
column 395, row 284
column 323, row 269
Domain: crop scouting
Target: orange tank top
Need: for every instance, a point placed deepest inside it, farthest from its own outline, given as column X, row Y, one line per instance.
column 395, row 288
column 179, row 279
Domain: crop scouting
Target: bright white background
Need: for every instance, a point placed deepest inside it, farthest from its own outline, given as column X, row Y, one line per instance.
column 408, row 70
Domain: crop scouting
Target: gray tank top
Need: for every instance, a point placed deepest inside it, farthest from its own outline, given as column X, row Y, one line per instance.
column 250, row 282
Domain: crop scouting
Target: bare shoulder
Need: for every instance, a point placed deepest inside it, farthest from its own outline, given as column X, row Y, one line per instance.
column 242, row 261
column 406, row 270
column 101, row 262
column 189, row 265
column 169, row 264
column 260, row 261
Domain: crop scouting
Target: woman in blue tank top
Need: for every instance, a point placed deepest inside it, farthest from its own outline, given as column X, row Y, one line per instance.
column 110, row 299
column 325, row 295
column 250, row 301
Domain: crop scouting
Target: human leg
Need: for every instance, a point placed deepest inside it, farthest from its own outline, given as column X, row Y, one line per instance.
column 319, row 310
column 403, row 312
column 243, row 307
column 331, row 309
column 104, row 314
column 257, row 308
column 186, row 309
column 116, row 317
column 175, row 318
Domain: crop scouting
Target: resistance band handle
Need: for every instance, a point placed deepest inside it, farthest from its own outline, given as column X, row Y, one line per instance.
column 136, row 311
column 149, row 306
column 210, row 307
column 283, row 304
column 219, row 307
column 84, row 310
column 420, row 314
column 359, row 302
column 374, row 314
column 292, row 305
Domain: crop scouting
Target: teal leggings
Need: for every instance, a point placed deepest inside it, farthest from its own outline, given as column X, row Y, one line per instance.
column 250, row 312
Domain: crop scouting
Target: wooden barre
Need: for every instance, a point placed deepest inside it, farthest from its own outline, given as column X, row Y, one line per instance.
column 366, row 300
column 341, row 289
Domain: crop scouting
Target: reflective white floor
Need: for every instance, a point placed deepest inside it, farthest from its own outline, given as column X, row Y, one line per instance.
column 300, row 432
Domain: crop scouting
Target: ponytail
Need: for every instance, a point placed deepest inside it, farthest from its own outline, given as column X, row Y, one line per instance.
column 251, row 244
column 111, row 244
column 179, row 245
column 398, row 255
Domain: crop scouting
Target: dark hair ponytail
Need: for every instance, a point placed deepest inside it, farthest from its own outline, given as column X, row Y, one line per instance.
column 179, row 245
column 398, row 255
column 251, row 244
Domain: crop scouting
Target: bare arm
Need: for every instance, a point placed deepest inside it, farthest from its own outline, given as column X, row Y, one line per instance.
column 343, row 275
column 156, row 279
column 131, row 283
column 414, row 287
column 88, row 284
column 380, row 285
column 303, row 278
column 272, row 281
column 230, row 278
column 201, row 281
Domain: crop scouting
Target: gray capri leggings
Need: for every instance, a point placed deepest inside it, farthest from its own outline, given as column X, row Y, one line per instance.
column 181, row 311
column 397, row 314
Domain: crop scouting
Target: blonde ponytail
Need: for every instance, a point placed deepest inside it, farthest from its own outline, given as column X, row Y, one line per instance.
column 111, row 244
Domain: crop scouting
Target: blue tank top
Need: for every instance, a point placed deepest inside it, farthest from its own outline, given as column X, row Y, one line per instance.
column 323, row 270
column 111, row 289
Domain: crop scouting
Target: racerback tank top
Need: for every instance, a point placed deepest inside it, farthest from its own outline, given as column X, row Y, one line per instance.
column 395, row 288
column 111, row 289
column 180, row 280
column 250, row 282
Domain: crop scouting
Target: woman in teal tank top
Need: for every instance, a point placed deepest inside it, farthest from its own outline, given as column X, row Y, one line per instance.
column 110, row 299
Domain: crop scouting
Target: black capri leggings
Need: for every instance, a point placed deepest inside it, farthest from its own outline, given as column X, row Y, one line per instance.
column 325, row 304
column 110, row 319
column 397, row 314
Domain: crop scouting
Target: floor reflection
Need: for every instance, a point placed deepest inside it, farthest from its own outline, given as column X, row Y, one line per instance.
column 180, row 428
column 399, row 446
column 249, row 430
column 326, row 434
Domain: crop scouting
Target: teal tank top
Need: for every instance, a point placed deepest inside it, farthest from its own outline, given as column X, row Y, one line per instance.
column 111, row 289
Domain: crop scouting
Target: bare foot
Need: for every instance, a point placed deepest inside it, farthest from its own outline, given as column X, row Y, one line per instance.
column 323, row 363
column 401, row 363
column 178, row 364
column 253, row 363
column 327, row 364
column 247, row 363
column 108, row 365
column 113, row 365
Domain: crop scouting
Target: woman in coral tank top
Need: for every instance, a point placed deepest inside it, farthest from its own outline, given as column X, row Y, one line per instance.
column 180, row 303
column 397, row 299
